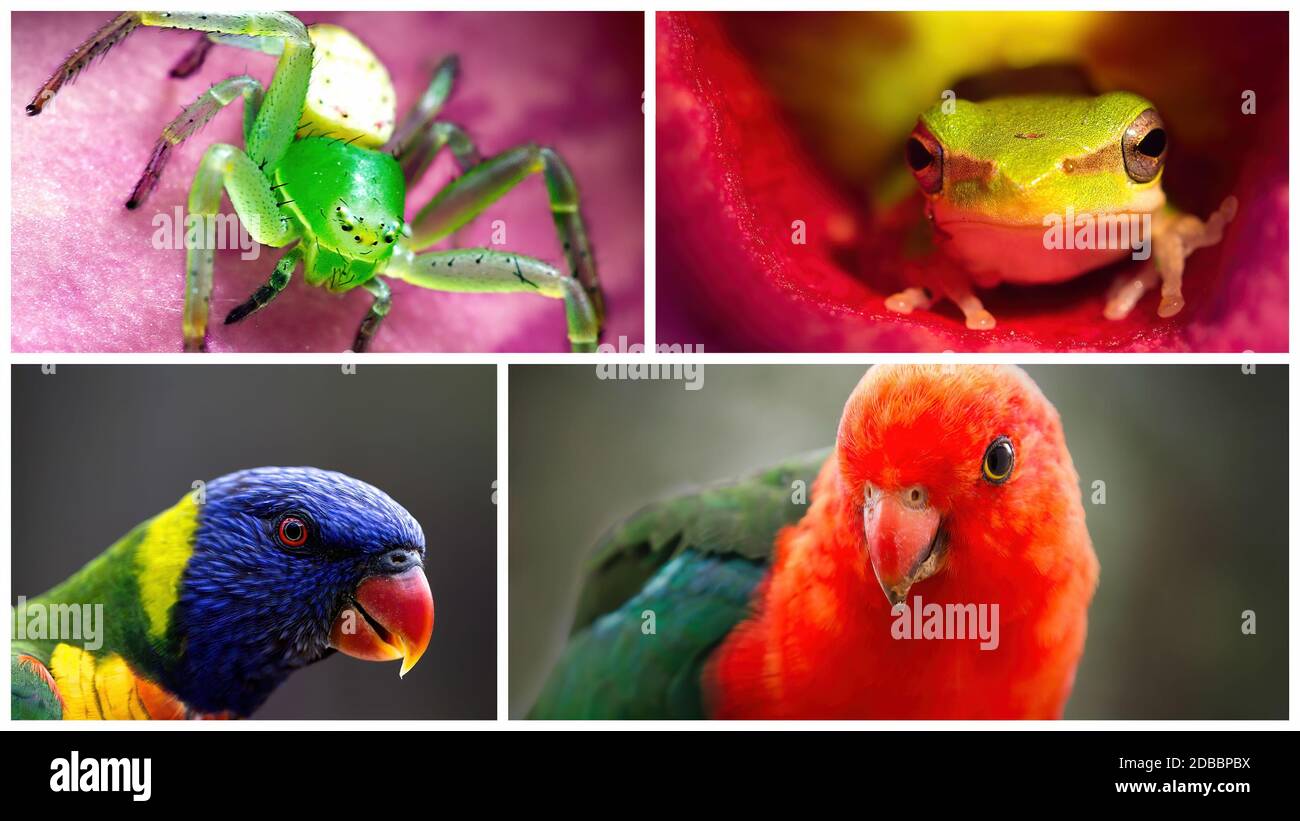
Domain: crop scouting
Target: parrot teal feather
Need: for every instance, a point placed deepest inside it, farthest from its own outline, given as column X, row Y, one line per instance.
column 688, row 567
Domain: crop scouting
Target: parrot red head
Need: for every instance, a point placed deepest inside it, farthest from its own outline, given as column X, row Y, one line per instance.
column 957, row 471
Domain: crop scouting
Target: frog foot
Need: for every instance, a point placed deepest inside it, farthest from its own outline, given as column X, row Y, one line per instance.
column 1176, row 236
column 908, row 300
column 1127, row 290
column 980, row 320
column 977, row 317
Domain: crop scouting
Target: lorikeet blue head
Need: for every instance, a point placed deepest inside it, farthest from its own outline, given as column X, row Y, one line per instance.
column 288, row 565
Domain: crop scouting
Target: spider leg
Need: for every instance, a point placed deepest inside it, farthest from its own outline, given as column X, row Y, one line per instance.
column 419, row 136
column 277, row 118
column 192, row 60
column 378, row 310
column 225, row 167
column 479, row 270
column 194, row 117
column 465, row 198
column 278, row 282
column 419, row 154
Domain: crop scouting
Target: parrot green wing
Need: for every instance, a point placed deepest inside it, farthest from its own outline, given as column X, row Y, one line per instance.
column 664, row 587
column 33, row 694
column 734, row 518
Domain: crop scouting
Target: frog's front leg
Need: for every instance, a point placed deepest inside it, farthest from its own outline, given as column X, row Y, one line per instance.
column 942, row 280
column 957, row 288
column 1174, row 237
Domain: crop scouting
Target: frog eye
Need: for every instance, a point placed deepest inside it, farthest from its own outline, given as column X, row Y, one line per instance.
column 925, row 158
column 999, row 460
column 1145, row 144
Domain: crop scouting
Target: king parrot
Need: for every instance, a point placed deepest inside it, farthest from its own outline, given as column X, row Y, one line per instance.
column 209, row 606
column 949, row 484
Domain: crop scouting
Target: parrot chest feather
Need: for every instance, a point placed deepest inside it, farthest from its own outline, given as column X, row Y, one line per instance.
column 92, row 687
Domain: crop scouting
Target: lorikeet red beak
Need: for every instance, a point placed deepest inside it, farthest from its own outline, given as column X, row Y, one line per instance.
column 390, row 617
column 904, row 539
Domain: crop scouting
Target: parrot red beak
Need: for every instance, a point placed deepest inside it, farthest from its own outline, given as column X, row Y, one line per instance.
column 904, row 539
column 391, row 617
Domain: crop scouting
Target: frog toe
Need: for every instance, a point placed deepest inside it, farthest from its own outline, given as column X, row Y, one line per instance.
column 906, row 301
column 980, row 320
column 1170, row 305
column 898, row 304
column 1127, row 291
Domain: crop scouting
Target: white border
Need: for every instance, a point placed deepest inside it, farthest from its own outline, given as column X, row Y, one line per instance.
column 504, row 361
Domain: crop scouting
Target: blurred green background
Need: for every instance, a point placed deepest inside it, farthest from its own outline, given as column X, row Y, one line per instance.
column 1193, row 532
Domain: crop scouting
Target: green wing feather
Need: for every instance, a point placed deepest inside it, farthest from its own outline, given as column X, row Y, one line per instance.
column 688, row 566
column 736, row 518
column 32, row 693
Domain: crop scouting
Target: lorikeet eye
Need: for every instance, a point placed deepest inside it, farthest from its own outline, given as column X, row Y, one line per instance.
column 999, row 459
column 292, row 531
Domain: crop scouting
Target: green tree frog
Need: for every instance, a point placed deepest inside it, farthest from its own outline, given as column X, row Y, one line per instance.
column 1040, row 189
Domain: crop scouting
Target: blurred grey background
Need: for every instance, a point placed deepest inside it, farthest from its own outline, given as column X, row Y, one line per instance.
column 99, row 449
column 1194, row 530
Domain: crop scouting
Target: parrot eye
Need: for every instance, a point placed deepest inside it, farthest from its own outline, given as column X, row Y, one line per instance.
column 292, row 531
column 999, row 459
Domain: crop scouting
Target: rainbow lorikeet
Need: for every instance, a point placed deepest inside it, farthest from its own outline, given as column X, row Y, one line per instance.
column 949, row 504
column 203, row 610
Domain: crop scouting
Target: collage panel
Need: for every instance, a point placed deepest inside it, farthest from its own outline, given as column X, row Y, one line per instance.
column 244, row 541
column 972, row 181
column 912, row 542
column 918, row 373
column 366, row 159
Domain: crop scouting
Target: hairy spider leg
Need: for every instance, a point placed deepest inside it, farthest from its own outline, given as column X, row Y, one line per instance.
column 278, row 282
column 192, row 60
column 421, row 136
column 194, row 117
column 479, row 270
column 226, row 167
column 276, row 121
column 378, row 310
column 467, row 196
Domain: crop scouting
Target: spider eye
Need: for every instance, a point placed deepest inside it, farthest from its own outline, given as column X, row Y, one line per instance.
column 389, row 238
column 999, row 460
column 347, row 226
column 292, row 531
